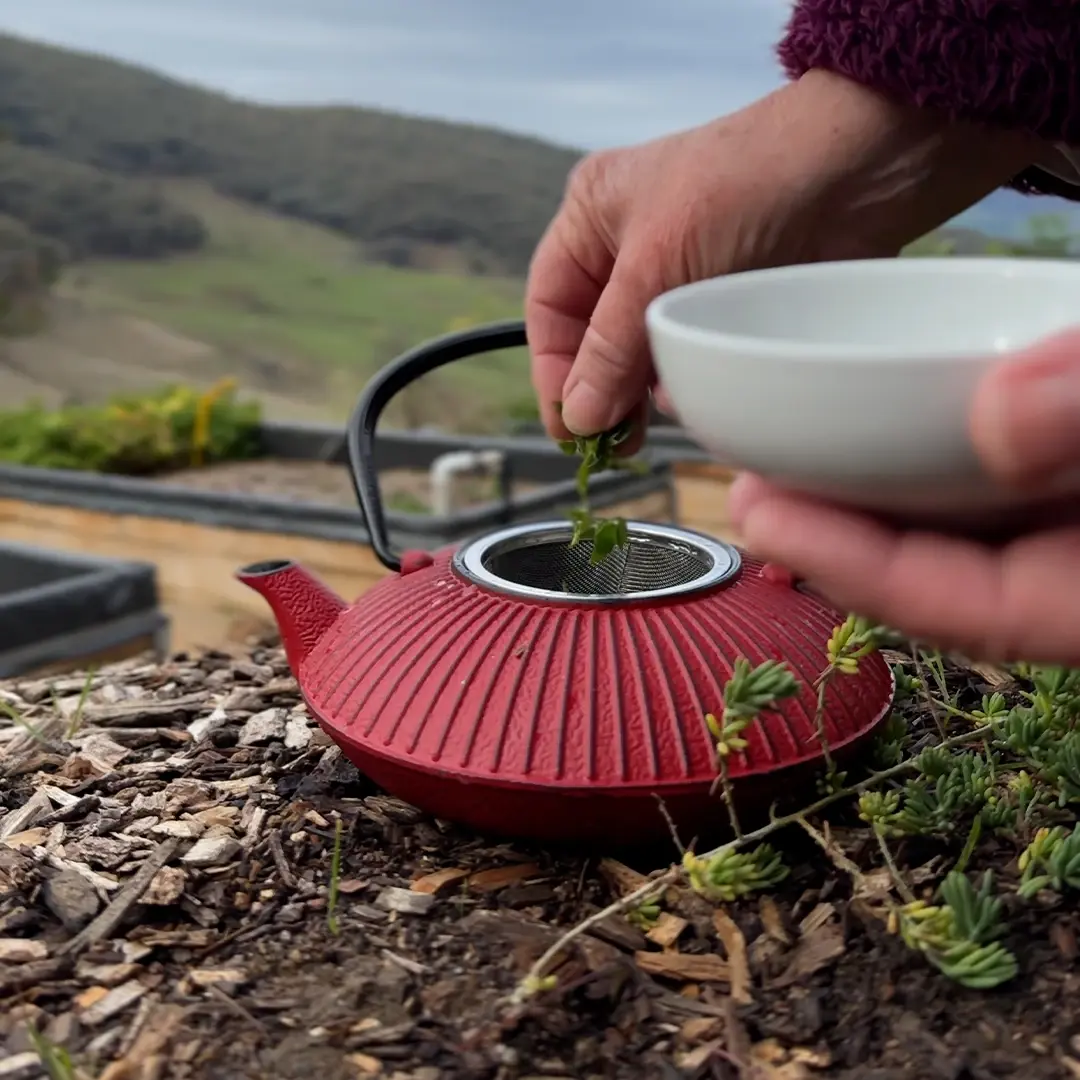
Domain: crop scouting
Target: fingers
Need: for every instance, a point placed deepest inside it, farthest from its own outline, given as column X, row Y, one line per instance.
column 929, row 590
column 612, row 371
column 567, row 276
column 587, row 334
column 590, row 282
column 664, row 402
column 639, row 420
column 1006, row 603
column 1025, row 420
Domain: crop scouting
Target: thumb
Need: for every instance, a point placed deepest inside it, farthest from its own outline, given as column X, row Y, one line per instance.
column 1025, row 421
column 612, row 371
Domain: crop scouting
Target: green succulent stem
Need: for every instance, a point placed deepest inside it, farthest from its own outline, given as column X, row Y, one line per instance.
column 749, row 692
column 1014, row 771
column 662, row 880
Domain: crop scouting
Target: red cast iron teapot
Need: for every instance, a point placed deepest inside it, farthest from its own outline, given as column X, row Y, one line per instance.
column 511, row 686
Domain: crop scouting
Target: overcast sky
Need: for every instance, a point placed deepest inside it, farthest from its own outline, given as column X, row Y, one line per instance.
column 586, row 73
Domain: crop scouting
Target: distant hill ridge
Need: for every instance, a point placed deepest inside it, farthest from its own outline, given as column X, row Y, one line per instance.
column 1008, row 214
column 388, row 180
column 89, row 135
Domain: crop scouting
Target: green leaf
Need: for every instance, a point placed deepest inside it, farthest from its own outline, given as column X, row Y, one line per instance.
column 605, row 540
column 597, row 453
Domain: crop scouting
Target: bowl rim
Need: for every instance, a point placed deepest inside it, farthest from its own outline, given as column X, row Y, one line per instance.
column 658, row 319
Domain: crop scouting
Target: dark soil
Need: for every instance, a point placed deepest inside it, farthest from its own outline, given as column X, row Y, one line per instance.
column 325, row 483
column 223, row 963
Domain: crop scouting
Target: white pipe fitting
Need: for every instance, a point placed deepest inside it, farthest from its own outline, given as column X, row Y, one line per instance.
column 448, row 467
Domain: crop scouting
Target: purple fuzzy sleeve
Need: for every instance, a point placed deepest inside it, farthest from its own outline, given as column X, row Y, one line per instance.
column 1009, row 63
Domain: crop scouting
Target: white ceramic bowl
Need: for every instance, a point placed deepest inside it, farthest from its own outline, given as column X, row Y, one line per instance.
column 854, row 380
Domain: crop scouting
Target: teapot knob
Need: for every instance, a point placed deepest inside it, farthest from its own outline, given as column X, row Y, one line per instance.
column 776, row 574
column 415, row 560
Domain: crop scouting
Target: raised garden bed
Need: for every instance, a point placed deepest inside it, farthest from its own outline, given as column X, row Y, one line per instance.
column 328, row 484
column 288, row 500
column 59, row 610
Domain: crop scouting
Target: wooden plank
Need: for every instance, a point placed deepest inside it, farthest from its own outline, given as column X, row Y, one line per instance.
column 702, row 503
column 195, row 563
column 655, row 506
column 702, row 470
column 127, row 650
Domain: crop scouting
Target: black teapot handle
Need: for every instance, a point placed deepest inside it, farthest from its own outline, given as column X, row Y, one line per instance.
column 379, row 392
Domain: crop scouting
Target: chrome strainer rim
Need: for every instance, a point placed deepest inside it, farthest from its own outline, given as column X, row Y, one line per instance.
column 471, row 561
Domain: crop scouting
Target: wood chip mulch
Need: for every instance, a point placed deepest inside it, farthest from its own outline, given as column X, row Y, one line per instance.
column 166, row 839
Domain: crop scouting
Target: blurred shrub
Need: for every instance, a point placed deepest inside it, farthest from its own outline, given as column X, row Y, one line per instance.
column 134, row 435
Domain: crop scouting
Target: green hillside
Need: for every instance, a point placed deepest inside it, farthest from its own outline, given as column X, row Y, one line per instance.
column 391, row 181
column 294, row 249
column 293, row 305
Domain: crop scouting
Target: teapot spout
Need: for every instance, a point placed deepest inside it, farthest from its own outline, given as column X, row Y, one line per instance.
column 304, row 608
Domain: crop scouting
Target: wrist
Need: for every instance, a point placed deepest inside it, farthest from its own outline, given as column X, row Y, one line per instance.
column 891, row 172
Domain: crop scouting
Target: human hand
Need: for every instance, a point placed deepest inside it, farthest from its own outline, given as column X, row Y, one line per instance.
column 1019, row 600
column 822, row 169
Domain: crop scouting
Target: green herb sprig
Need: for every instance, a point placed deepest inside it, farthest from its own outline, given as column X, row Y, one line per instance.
column 598, row 453
column 749, row 692
column 1051, row 860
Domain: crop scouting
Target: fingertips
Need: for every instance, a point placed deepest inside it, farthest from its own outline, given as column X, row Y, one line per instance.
column 566, row 277
column 849, row 558
column 613, row 370
column 553, row 425
column 995, row 603
column 546, row 375
column 1025, row 420
column 664, row 402
column 926, row 585
column 639, row 430
column 812, row 539
column 548, row 378
column 606, row 384
column 745, row 493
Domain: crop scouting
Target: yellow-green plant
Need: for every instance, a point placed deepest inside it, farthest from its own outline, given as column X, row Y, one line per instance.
column 1007, row 767
column 644, row 916
column 1051, row 861
column 749, row 692
column 959, row 936
column 335, row 882
column 729, row 874
column 134, row 434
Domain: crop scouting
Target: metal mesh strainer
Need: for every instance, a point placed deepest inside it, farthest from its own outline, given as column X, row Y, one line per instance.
column 641, row 566
column 536, row 560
